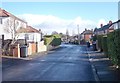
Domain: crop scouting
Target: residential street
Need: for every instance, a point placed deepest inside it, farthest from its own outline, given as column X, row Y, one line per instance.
column 59, row 42
column 67, row 63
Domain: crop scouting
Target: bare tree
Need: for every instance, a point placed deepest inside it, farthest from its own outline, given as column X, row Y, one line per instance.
column 54, row 32
column 10, row 26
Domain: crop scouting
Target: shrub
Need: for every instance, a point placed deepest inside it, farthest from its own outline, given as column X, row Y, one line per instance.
column 56, row 40
column 104, row 45
column 110, row 45
column 114, row 46
column 53, row 40
column 48, row 39
column 99, row 38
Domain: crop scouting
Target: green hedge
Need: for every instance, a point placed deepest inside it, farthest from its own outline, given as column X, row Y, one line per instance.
column 111, row 45
column 53, row 40
column 99, row 38
column 56, row 40
column 114, row 46
column 104, row 45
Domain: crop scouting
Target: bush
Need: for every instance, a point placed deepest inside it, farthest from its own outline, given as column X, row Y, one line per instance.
column 94, row 38
column 48, row 39
column 114, row 46
column 110, row 45
column 104, row 45
column 56, row 40
column 53, row 40
column 99, row 38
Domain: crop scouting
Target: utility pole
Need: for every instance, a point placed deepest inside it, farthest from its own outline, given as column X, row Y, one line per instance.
column 78, row 35
column 67, row 35
column 119, row 10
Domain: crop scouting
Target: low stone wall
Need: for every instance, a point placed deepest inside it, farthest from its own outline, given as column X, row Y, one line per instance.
column 41, row 47
column 49, row 47
column 31, row 49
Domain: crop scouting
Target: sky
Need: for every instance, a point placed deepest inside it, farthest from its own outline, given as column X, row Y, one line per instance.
column 60, row 16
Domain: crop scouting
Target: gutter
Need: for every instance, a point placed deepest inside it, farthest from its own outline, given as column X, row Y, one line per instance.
column 93, row 68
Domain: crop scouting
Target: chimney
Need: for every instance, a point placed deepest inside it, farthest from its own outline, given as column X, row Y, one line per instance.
column 101, row 25
column 39, row 29
column 110, row 22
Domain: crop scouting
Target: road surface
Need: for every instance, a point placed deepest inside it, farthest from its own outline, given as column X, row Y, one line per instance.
column 67, row 63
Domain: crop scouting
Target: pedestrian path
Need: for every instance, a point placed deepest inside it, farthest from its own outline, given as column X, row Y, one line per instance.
column 103, row 66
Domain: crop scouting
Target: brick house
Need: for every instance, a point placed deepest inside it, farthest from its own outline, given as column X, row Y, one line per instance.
column 86, row 35
column 110, row 27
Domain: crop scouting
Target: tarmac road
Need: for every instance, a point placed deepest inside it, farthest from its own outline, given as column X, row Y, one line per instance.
column 67, row 63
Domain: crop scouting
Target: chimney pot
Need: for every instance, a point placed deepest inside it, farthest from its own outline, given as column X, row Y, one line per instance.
column 110, row 22
column 101, row 25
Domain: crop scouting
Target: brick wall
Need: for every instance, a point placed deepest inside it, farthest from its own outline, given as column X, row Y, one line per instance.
column 31, row 48
column 87, row 37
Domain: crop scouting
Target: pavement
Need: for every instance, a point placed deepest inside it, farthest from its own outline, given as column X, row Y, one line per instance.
column 103, row 67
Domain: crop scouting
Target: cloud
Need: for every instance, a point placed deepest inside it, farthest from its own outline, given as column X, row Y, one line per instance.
column 50, row 23
column 101, row 21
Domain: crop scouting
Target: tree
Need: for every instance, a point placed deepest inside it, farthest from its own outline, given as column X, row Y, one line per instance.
column 10, row 26
column 54, row 33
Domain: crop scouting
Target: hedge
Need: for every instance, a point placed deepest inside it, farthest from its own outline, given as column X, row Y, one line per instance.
column 53, row 40
column 110, row 45
column 114, row 46
column 56, row 40
column 104, row 45
column 99, row 38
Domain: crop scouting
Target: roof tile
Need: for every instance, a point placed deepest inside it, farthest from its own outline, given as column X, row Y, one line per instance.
column 29, row 29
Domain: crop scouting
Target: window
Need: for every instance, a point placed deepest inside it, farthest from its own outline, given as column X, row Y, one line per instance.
column 0, row 20
column 26, row 36
column 16, row 24
column 118, row 25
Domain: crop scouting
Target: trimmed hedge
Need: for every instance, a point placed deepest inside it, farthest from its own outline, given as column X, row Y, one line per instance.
column 56, row 40
column 99, row 38
column 110, row 45
column 53, row 40
column 104, row 45
column 114, row 46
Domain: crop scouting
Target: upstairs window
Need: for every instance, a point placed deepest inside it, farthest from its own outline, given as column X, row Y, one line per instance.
column 0, row 20
column 26, row 36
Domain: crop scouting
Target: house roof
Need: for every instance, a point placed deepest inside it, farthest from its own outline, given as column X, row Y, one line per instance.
column 105, row 27
column 118, row 21
column 29, row 29
column 87, row 32
column 4, row 13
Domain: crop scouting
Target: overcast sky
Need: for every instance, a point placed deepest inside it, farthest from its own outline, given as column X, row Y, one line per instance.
column 59, row 16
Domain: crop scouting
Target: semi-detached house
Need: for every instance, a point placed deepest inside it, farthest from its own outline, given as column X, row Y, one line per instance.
column 10, row 24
